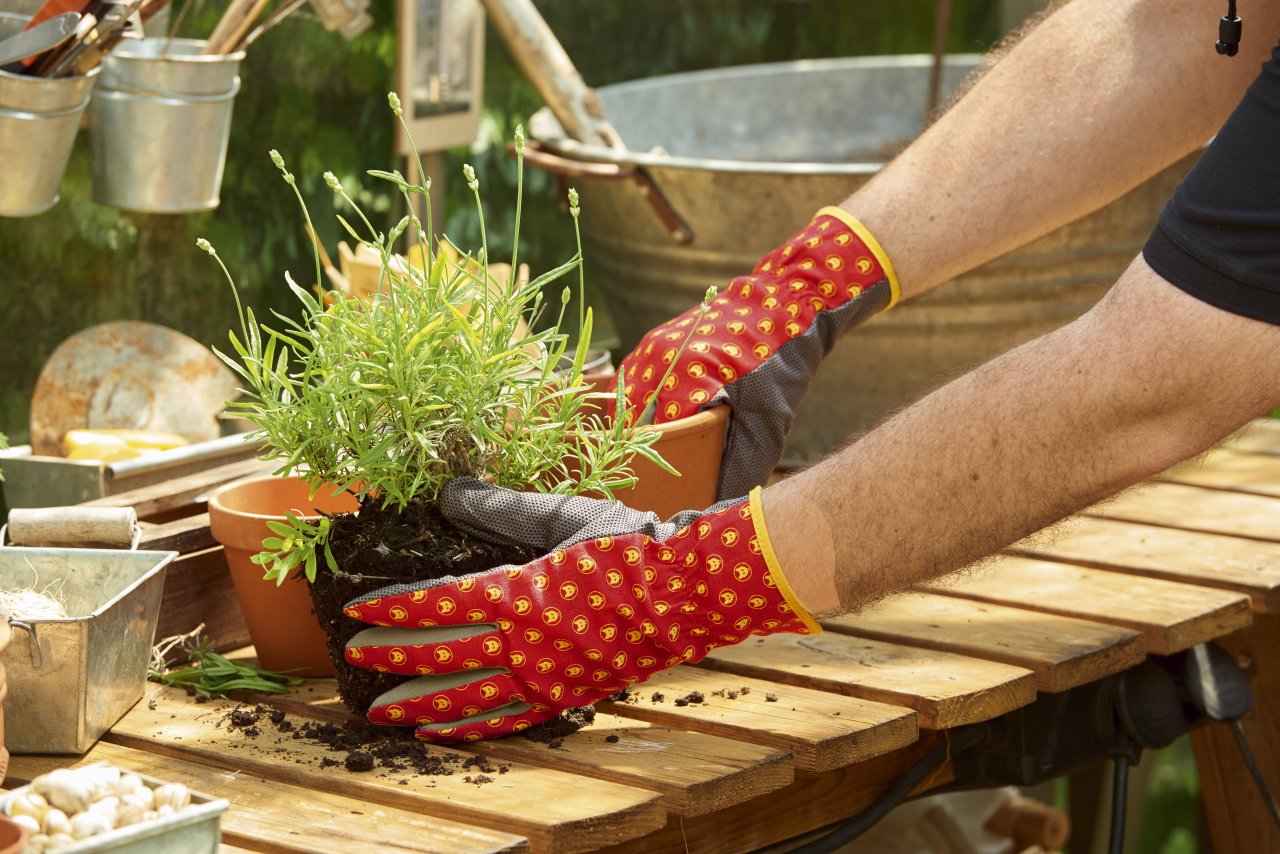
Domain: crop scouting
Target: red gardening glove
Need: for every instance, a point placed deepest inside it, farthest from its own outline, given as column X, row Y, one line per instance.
column 762, row 340
column 620, row 596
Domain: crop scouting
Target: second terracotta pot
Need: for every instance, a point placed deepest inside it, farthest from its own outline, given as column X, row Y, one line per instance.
column 283, row 628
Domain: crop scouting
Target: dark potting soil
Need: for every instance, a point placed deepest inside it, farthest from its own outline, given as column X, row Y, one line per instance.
column 366, row 746
column 377, row 548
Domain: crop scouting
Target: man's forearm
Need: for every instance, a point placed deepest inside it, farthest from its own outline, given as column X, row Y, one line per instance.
column 1097, row 98
column 1149, row 377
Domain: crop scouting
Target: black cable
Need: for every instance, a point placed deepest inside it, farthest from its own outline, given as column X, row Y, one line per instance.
column 1247, row 753
column 956, row 741
column 1119, row 803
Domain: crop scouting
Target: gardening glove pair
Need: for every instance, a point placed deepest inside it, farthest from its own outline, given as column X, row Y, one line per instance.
column 760, row 343
column 619, row 596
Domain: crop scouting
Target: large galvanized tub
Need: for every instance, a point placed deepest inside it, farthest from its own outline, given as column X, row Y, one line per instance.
column 748, row 154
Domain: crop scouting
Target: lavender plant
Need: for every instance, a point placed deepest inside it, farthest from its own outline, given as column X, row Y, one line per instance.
column 439, row 375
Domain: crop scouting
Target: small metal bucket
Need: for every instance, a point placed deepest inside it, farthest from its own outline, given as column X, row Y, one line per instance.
column 159, row 126
column 71, row 679
column 39, row 119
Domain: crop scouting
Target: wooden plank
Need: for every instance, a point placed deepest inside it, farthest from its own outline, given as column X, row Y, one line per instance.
column 198, row 589
column 266, row 813
column 1238, row 819
column 695, row 773
column 1230, row 470
column 554, row 810
column 813, row 801
column 1170, row 616
column 1212, row 560
column 944, row 689
column 185, row 535
column 182, row 491
column 822, row 730
column 1195, row 508
column 1063, row 652
column 1261, row 436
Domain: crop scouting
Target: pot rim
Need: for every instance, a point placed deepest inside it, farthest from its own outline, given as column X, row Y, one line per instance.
column 545, row 129
column 215, row 497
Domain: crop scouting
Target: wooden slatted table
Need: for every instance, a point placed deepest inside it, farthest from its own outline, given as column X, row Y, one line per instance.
column 791, row 733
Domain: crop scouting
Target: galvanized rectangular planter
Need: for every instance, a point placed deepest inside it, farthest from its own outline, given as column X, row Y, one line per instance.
column 194, row 830
column 33, row 480
column 71, row 679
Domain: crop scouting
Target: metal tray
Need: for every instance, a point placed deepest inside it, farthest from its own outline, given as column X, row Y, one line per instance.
column 32, row 480
column 71, row 679
column 195, row 830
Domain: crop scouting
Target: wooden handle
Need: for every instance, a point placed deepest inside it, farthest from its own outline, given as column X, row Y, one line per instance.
column 1029, row 822
column 73, row 526
column 236, row 19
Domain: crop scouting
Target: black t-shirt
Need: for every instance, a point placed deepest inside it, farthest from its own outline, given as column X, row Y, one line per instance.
column 1218, row 237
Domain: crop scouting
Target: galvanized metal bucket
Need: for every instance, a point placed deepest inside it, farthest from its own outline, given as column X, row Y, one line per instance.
column 159, row 126
column 39, row 118
column 726, row 164
column 70, row 679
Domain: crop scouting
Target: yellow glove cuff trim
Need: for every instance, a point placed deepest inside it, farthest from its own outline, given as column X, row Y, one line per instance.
column 771, row 560
column 895, row 290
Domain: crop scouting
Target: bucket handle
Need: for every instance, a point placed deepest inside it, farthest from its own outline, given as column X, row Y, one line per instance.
column 37, row 658
column 168, row 96
column 562, row 167
column 27, row 115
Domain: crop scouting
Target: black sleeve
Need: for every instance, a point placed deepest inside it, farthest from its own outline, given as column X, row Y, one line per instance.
column 1218, row 237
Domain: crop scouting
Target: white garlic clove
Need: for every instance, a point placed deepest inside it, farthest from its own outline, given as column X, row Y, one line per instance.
column 174, row 795
column 29, row 804
column 106, row 807
column 26, row 821
column 129, row 813
column 126, row 783
column 59, row 840
column 164, row 810
column 56, row 822
column 36, row 844
column 143, row 797
column 64, row 789
column 100, row 779
column 90, row 823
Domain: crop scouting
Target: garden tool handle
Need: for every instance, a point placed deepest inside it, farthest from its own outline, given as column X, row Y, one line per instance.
column 543, row 60
column 563, row 167
column 111, row 527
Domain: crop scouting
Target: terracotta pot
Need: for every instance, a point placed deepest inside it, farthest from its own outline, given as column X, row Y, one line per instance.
column 13, row 836
column 693, row 446
column 284, row 630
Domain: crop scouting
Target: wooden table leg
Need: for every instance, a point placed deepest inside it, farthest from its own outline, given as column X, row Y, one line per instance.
column 1238, row 819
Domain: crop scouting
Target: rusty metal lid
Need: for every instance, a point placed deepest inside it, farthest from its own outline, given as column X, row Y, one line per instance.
column 129, row 374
